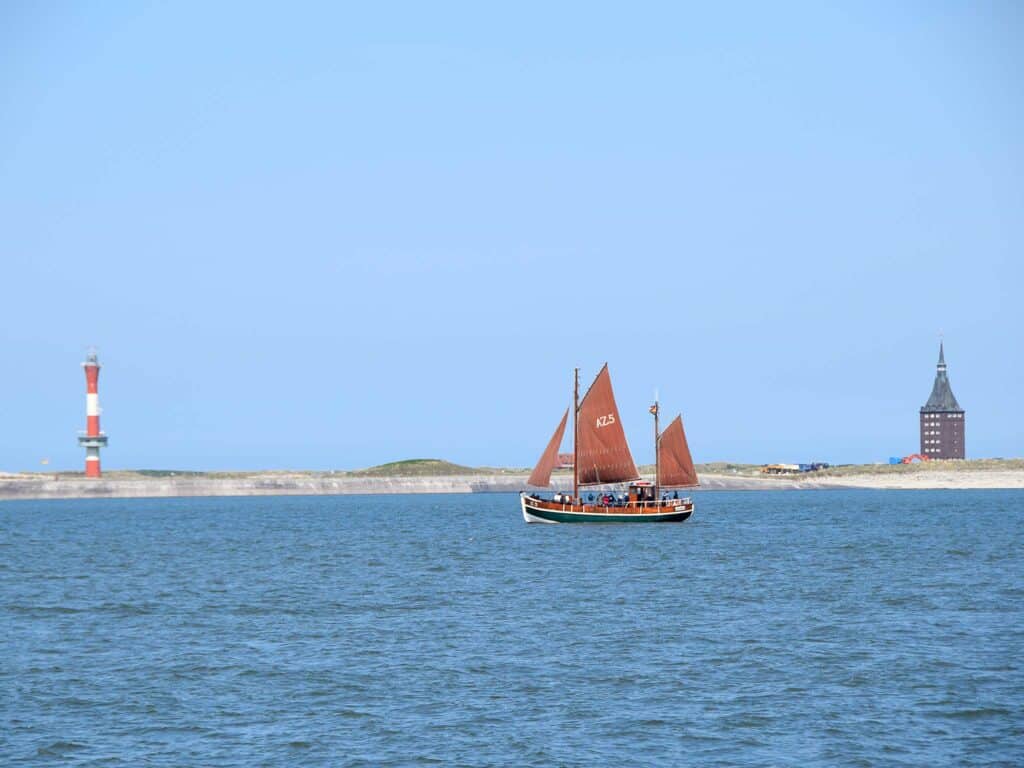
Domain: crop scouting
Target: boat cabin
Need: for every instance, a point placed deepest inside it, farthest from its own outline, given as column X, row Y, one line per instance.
column 641, row 490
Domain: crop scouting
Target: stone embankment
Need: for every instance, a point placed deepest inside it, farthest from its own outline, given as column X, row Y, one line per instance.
column 45, row 486
column 48, row 486
column 270, row 484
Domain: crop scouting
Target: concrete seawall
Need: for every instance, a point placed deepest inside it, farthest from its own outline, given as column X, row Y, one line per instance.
column 303, row 484
column 45, row 486
column 257, row 485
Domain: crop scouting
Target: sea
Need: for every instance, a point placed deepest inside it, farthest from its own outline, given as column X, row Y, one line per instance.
column 778, row 628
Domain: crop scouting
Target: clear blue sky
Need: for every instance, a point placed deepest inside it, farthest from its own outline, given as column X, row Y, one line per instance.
column 333, row 235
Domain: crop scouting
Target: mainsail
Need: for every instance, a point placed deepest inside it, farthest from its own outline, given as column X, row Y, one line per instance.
column 541, row 474
column 675, row 465
column 602, row 453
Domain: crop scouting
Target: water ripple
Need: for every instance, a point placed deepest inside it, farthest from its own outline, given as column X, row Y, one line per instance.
column 810, row 628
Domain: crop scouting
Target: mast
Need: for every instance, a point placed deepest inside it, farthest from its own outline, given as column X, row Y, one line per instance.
column 657, row 457
column 575, row 432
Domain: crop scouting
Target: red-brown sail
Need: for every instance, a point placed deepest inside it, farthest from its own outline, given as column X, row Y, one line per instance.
column 675, row 465
column 602, row 453
column 541, row 474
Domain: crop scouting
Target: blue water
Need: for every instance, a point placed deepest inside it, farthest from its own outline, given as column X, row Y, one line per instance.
column 816, row 628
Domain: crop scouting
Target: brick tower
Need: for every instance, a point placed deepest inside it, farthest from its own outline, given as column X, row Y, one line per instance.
column 942, row 419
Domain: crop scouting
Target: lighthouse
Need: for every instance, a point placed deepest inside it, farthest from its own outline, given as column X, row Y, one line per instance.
column 93, row 439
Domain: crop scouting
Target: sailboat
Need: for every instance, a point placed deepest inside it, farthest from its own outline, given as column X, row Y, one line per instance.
column 601, row 457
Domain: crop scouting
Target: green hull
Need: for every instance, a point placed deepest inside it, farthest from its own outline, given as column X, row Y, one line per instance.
column 541, row 515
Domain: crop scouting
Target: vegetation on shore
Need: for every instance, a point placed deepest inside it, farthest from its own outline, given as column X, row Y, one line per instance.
column 850, row 470
column 442, row 468
column 716, row 468
column 938, row 465
column 415, row 468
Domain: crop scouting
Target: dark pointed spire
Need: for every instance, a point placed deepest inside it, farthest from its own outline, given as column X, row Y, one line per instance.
column 942, row 398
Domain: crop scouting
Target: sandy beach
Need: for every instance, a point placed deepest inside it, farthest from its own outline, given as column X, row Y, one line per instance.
column 928, row 480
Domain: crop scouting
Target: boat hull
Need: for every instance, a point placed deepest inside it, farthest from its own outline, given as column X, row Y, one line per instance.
column 537, row 511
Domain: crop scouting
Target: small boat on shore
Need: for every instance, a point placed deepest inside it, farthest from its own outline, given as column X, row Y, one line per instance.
column 601, row 457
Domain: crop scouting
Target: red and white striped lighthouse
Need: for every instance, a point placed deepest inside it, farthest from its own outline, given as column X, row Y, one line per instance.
column 93, row 439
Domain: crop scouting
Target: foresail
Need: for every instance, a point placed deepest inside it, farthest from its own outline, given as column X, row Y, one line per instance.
column 602, row 452
column 541, row 475
column 675, row 465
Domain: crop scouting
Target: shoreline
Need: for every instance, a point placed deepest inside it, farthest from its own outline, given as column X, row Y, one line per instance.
column 130, row 485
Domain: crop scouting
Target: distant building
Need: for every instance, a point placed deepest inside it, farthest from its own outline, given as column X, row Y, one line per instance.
column 942, row 419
